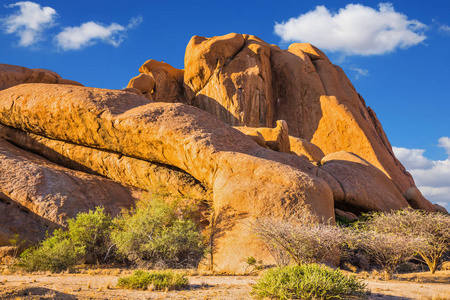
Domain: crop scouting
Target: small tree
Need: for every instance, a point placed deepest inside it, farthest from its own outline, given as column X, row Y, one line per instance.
column 432, row 228
column 302, row 236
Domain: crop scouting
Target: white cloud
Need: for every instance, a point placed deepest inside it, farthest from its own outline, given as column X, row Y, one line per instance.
column 444, row 28
column 354, row 30
column 432, row 177
column 412, row 158
column 135, row 21
column 29, row 22
column 360, row 72
column 444, row 142
column 87, row 34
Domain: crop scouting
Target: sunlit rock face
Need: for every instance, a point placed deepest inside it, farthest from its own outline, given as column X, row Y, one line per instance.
column 247, row 128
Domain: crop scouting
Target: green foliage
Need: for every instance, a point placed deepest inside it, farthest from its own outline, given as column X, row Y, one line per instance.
column 86, row 238
column 158, row 233
column 309, row 281
column 92, row 231
column 55, row 253
column 158, row 280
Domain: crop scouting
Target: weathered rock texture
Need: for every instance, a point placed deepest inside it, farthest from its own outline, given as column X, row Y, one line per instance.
column 105, row 146
column 55, row 193
column 124, row 169
column 246, row 180
column 13, row 75
column 244, row 81
column 17, row 220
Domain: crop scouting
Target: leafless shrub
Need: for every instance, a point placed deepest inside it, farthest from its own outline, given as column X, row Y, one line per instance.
column 434, row 228
column 389, row 250
column 301, row 236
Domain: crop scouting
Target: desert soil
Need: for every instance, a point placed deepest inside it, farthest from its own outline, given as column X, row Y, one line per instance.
column 101, row 286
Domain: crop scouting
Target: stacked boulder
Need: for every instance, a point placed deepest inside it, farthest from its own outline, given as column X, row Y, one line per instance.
column 248, row 128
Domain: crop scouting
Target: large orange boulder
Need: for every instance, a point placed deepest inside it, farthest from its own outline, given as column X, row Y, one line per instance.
column 244, row 81
column 246, row 180
column 144, row 83
column 11, row 75
column 168, row 81
column 365, row 187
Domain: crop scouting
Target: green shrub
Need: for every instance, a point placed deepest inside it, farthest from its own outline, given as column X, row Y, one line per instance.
column 308, row 282
column 158, row 280
column 157, row 233
column 55, row 253
column 87, row 239
column 92, row 231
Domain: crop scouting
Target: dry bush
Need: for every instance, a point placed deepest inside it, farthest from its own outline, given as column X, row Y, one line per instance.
column 301, row 236
column 387, row 249
column 434, row 228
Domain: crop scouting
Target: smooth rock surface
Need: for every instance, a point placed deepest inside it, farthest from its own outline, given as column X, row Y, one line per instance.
column 11, row 75
column 417, row 201
column 303, row 147
column 168, row 80
column 365, row 187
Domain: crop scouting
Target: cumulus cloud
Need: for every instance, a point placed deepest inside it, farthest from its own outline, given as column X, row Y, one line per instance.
column 29, row 22
column 432, row 177
column 89, row 33
column 444, row 142
column 354, row 30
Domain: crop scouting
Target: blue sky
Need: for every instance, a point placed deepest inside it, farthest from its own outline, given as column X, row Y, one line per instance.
column 402, row 71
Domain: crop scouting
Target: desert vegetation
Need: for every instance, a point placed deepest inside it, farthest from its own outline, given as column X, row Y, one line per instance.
column 387, row 239
column 159, row 233
column 154, row 280
column 308, row 281
column 156, row 233
column 425, row 234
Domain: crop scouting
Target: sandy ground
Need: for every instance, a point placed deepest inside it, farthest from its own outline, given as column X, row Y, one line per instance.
column 98, row 286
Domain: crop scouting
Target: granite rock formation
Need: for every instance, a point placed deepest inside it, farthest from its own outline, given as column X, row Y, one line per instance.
column 302, row 135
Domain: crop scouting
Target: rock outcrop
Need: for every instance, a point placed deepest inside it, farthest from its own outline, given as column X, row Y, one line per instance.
column 417, row 200
column 54, row 193
column 66, row 148
column 168, row 81
column 365, row 187
column 246, row 180
column 303, row 147
column 11, row 75
column 124, row 169
column 244, row 81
